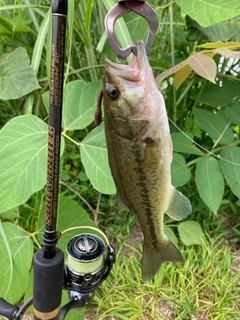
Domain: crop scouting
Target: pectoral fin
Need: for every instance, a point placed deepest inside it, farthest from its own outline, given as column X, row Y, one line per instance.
column 179, row 206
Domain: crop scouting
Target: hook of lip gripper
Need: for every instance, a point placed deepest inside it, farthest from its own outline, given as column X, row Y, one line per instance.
column 120, row 9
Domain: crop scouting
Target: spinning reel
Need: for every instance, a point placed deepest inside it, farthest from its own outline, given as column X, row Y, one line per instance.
column 88, row 263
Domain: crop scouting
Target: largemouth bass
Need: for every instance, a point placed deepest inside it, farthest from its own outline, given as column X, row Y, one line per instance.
column 140, row 155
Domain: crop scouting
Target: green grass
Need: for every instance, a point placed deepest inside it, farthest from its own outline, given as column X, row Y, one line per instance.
column 204, row 287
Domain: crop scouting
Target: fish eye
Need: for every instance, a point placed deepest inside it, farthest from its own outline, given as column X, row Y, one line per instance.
column 113, row 92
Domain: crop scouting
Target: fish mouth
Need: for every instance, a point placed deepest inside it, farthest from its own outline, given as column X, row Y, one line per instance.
column 133, row 72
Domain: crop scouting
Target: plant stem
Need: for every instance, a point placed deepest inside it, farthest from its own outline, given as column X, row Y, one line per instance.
column 79, row 196
column 97, row 207
column 185, row 92
column 73, row 141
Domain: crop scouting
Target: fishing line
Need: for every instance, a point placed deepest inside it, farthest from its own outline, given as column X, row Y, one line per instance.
column 201, row 147
column 85, row 227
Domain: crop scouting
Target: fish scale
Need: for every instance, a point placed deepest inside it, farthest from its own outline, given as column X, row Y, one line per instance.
column 140, row 154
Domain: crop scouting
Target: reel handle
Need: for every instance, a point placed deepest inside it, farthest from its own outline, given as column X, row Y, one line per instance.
column 7, row 309
column 13, row 312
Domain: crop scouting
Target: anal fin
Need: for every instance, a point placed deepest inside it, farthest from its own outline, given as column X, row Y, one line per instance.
column 179, row 206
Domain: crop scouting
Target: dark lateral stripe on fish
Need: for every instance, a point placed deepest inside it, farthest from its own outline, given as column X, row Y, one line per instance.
column 146, row 202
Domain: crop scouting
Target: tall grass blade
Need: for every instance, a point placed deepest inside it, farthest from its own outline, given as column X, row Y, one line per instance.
column 70, row 23
column 36, row 58
column 33, row 16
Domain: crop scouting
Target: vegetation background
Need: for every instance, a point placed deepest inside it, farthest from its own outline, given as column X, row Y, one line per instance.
column 195, row 59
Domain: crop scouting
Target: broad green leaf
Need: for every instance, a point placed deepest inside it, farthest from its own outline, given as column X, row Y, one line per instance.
column 230, row 162
column 203, row 65
column 191, row 233
column 180, row 172
column 95, row 160
column 79, row 103
column 17, row 78
column 220, row 31
column 214, row 125
column 70, row 214
column 233, row 112
column 22, row 252
column 23, row 160
column 10, row 214
column 210, row 182
column 183, row 144
column 6, row 243
column 216, row 96
column 209, row 12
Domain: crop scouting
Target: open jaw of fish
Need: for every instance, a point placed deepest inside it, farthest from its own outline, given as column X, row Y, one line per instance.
column 140, row 155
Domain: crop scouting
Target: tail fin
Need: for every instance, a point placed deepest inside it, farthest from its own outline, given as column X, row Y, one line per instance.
column 151, row 262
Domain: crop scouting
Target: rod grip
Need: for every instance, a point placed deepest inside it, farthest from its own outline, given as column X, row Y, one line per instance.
column 47, row 285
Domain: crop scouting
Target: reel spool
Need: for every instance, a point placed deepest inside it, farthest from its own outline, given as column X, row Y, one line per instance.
column 89, row 262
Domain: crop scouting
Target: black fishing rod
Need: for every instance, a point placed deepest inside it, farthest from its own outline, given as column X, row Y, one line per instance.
column 50, row 238
column 49, row 261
